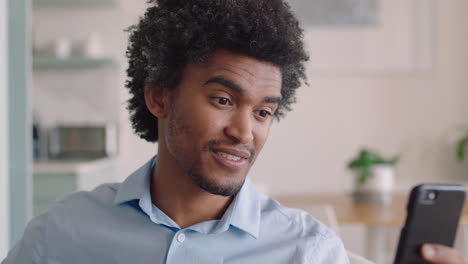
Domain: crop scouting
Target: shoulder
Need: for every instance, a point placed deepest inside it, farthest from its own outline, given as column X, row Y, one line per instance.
column 78, row 217
column 75, row 205
column 316, row 243
column 275, row 213
column 78, row 204
column 58, row 220
column 102, row 194
column 32, row 247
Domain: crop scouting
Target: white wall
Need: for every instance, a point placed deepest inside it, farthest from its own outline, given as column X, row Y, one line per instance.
column 4, row 194
column 415, row 114
column 418, row 115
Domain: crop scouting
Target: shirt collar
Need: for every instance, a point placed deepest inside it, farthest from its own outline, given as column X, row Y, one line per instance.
column 243, row 213
column 136, row 185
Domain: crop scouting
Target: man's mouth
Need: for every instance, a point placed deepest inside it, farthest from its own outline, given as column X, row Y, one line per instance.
column 233, row 153
column 233, row 159
column 229, row 156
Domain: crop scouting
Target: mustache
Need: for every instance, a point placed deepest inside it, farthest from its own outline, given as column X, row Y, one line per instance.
column 214, row 142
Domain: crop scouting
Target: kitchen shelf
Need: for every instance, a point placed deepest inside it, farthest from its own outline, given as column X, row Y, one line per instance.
column 70, row 62
column 74, row 3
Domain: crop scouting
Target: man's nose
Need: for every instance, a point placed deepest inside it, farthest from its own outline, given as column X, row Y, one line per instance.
column 240, row 128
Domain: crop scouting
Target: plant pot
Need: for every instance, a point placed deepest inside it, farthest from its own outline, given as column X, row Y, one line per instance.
column 377, row 188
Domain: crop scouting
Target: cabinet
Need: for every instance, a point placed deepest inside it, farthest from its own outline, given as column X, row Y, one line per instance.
column 53, row 180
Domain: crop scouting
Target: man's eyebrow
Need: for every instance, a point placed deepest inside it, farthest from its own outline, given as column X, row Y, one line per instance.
column 233, row 86
column 227, row 83
column 275, row 100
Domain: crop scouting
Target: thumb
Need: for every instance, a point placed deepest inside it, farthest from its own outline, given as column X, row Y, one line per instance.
column 439, row 254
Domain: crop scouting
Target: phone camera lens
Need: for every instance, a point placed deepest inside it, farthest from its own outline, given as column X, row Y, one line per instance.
column 432, row 195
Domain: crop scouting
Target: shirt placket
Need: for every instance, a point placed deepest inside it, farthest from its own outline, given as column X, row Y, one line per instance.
column 183, row 250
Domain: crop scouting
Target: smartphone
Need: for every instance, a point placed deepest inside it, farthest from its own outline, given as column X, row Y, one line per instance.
column 433, row 213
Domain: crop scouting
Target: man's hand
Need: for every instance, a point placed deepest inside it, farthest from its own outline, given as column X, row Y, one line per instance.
column 439, row 254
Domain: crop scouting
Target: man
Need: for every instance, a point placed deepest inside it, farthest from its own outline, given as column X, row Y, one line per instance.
column 207, row 78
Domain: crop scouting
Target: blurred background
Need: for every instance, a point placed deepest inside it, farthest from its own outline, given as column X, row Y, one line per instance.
column 385, row 77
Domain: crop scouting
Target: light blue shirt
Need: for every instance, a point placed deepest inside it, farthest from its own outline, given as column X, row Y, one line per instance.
column 117, row 223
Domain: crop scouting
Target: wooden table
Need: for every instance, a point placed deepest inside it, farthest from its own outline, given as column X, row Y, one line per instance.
column 348, row 212
column 374, row 217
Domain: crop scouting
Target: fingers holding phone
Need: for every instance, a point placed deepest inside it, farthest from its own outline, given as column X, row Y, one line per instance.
column 433, row 214
column 439, row 254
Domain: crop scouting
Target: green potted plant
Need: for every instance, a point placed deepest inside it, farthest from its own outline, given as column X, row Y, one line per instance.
column 460, row 147
column 374, row 176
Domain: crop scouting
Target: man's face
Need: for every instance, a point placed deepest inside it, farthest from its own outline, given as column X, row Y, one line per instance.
column 219, row 119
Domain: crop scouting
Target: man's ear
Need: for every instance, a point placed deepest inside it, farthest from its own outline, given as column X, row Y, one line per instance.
column 157, row 101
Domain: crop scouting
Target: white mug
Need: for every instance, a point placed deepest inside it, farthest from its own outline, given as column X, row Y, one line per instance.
column 61, row 47
column 91, row 47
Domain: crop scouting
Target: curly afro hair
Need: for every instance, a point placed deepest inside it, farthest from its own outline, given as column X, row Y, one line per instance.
column 173, row 33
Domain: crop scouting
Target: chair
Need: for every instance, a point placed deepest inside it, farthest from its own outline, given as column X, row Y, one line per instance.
column 355, row 259
column 461, row 241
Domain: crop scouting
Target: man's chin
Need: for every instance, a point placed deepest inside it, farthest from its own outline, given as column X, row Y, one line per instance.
column 217, row 188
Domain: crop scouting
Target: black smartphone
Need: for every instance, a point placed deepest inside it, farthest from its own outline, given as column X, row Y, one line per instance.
column 433, row 213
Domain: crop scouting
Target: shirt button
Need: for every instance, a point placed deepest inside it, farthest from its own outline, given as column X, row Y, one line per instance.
column 181, row 237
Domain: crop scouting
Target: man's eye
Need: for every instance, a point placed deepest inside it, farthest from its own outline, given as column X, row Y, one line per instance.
column 223, row 101
column 264, row 113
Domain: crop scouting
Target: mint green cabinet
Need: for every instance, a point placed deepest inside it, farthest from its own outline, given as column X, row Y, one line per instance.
column 49, row 187
column 55, row 180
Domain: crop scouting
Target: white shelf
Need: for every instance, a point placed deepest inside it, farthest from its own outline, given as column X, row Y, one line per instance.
column 72, row 167
column 70, row 62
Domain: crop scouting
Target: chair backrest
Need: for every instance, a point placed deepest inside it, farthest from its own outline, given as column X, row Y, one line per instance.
column 355, row 259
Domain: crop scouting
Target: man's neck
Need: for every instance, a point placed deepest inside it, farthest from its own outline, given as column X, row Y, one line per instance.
column 176, row 194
